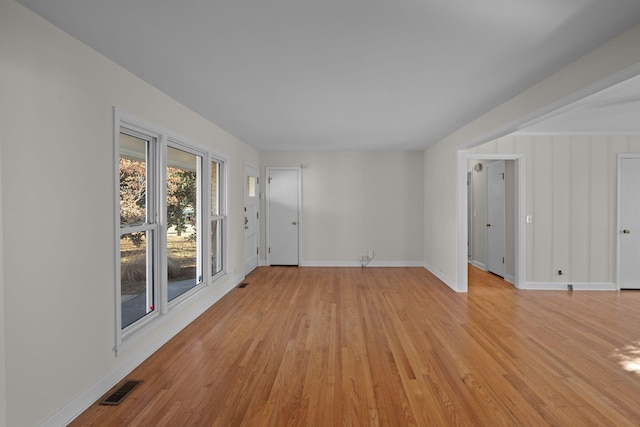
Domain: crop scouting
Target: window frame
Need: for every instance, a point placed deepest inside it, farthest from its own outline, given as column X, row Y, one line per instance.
column 175, row 143
column 151, row 223
column 222, row 212
column 157, row 211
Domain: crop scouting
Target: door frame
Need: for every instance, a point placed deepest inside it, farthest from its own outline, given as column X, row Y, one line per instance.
column 620, row 156
column 462, row 216
column 268, row 170
column 257, row 203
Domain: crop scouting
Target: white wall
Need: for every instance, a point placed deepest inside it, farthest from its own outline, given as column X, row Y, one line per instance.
column 56, row 127
column 3, row 372
column 571, row 194
column 356, row 201
column 442, row 236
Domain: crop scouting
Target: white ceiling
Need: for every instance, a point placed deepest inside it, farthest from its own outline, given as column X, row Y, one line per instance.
column 341, row 74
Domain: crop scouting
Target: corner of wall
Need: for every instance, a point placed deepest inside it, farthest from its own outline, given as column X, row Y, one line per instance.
column 450, row 283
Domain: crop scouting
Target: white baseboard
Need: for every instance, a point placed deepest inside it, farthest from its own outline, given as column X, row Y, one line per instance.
column 79, row 404
column 441, row 277
column 479, row 265
column 509, row 278
column 563, row 286
column 373, row 263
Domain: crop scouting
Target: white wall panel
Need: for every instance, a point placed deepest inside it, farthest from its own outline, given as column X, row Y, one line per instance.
column 600, row 223
column 525, row 146
column 634, row 144
column 505, row 145
column 543, row 213
column 561, row 200
column 580, row 213
column 3, row 376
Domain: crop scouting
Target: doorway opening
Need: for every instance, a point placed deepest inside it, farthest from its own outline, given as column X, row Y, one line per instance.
column 491, row 214
column 515, row 243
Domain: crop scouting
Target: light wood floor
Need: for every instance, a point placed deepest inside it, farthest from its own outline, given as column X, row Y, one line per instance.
column 392, row 347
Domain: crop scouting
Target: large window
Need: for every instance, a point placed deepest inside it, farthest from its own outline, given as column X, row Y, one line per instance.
column 138, row 226
column 171, row 223
column 184, row 224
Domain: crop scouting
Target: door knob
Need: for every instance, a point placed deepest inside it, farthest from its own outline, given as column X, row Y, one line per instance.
column 626, row 231
column 488, row 225
column 294, row 223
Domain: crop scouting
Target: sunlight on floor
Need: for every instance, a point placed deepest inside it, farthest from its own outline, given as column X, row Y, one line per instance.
column 629, row 357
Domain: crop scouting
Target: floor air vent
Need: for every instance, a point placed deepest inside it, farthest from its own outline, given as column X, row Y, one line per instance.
column 120, row 393
column 243, row 285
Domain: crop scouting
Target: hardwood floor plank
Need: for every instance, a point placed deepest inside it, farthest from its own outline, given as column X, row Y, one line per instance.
column 392, row 347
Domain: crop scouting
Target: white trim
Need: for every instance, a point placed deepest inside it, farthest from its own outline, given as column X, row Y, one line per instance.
column 254, row 200
column 618, row 228
column 450, row 283
column 172, row 326
column 479, row 265
column 374, row 263
column 563, row 286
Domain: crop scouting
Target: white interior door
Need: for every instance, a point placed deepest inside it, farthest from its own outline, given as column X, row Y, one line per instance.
column 251, row 217
column 496, row 246
column 629, row 223
column 283, row 216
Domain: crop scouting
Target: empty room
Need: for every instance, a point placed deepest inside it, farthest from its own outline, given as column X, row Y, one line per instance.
column 319, row 213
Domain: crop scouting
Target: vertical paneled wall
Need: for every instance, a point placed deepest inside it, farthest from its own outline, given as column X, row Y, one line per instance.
column 570, row 191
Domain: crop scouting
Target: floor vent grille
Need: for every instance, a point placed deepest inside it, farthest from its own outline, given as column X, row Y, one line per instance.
column 117, row 396
column 243, row 285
